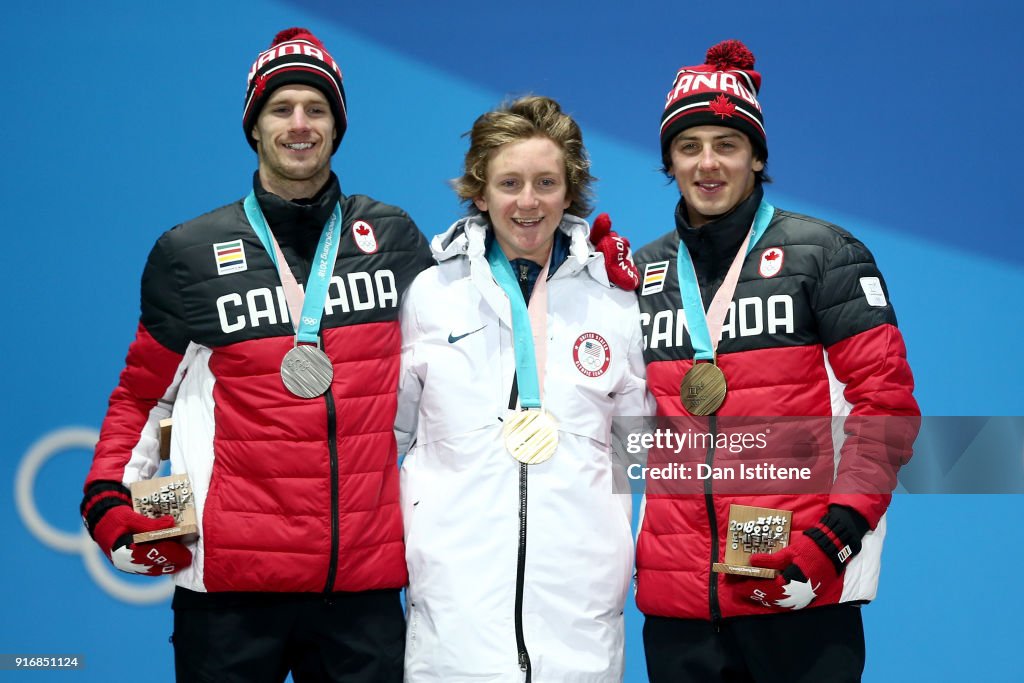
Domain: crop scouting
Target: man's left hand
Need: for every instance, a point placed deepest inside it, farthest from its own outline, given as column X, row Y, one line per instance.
column 794, row 587
column 812, row 562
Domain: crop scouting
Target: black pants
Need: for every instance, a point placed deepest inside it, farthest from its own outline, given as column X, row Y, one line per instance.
column 260, row 638
column 815, row 645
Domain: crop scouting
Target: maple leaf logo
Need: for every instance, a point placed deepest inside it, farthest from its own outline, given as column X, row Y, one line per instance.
column 798, row 594
column 362, row 230
column 261, row 84
column 771, row 256
column 722, row 107
column 124, row 559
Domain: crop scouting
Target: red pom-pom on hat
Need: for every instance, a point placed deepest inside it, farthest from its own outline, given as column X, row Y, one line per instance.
column 730, row 54
column 293, row 33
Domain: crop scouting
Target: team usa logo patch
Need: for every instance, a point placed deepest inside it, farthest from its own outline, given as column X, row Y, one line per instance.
column 230, row 257
column 771, row 262
column 654, row 278
column 591, row 354
column 365, row 238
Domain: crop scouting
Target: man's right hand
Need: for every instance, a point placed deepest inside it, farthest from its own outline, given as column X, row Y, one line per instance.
column 112, row 522
column 154, row 559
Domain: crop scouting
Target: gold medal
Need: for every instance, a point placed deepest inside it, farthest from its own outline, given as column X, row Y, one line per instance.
column 702, row 390
column 531, row 436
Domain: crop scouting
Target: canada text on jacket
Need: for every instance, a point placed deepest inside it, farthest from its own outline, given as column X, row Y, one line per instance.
column 359, row 291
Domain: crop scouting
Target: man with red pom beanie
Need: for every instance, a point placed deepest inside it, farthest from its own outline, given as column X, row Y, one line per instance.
column 751, row 310
column 269, row 332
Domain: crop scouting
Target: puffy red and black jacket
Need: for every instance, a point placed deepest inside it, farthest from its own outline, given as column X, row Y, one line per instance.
column 810, row 336
column 293, row 495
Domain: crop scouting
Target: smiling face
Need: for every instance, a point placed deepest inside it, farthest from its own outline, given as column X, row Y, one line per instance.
column 525, row 197
column 714, row 168
column 294, row 141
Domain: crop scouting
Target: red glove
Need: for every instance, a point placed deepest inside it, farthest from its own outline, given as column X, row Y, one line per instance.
column 621, row 269
column 811, row 562
column 111, row 521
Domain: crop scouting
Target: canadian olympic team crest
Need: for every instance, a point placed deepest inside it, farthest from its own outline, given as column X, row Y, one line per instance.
column 591, row 354
column 364, row 236
column 771, row 262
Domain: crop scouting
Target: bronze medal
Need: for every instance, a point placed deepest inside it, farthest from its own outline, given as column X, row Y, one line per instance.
column 307, row 371
column 531, row 436
column 702, row 390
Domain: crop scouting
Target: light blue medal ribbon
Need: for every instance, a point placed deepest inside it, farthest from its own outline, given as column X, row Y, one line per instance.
column 522, row 333
column 689, row 289
column 307, row 328
column 306, row 371
column 531, row 435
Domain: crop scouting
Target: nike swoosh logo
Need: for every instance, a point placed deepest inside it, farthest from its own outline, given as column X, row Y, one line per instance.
column 452, row 338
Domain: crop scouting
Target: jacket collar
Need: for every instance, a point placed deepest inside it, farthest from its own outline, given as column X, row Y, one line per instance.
column 313, row 211
column 724, row 234
column 468, row 237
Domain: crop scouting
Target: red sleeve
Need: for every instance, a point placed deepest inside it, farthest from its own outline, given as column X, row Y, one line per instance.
column 883, row 421
column 149, row 373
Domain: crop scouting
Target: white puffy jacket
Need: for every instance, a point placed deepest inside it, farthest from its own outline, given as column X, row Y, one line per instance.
column 462, row 492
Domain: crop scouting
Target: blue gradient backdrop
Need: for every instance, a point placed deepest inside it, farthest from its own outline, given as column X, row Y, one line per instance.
column 895, row 120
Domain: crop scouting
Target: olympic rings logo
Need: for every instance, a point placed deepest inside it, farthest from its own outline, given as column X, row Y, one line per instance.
column 62, row 541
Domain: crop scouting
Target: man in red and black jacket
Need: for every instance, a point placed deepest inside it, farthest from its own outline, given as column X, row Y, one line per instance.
column 802, row 332
column 299, row 560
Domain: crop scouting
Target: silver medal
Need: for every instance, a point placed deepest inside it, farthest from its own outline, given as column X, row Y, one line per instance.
column 307, row 371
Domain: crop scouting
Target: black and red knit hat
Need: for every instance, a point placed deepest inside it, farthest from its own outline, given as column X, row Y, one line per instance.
column 296, row 57
column 720, row 92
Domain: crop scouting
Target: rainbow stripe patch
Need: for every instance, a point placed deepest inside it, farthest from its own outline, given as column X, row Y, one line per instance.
column 230, row 257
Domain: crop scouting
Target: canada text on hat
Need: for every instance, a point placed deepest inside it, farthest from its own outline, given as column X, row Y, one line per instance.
column 295, row 57
column 722, row 92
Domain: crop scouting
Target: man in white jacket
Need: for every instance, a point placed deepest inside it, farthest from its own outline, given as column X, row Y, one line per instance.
column 517, row 353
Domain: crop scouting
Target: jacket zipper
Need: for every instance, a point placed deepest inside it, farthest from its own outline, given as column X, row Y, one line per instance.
column 707, row 291
column 524, row 656
column 709, row 503
column 332, row 447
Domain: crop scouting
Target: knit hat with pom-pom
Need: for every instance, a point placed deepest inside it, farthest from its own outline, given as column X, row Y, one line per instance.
column 720, row 92
column 296, row 57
